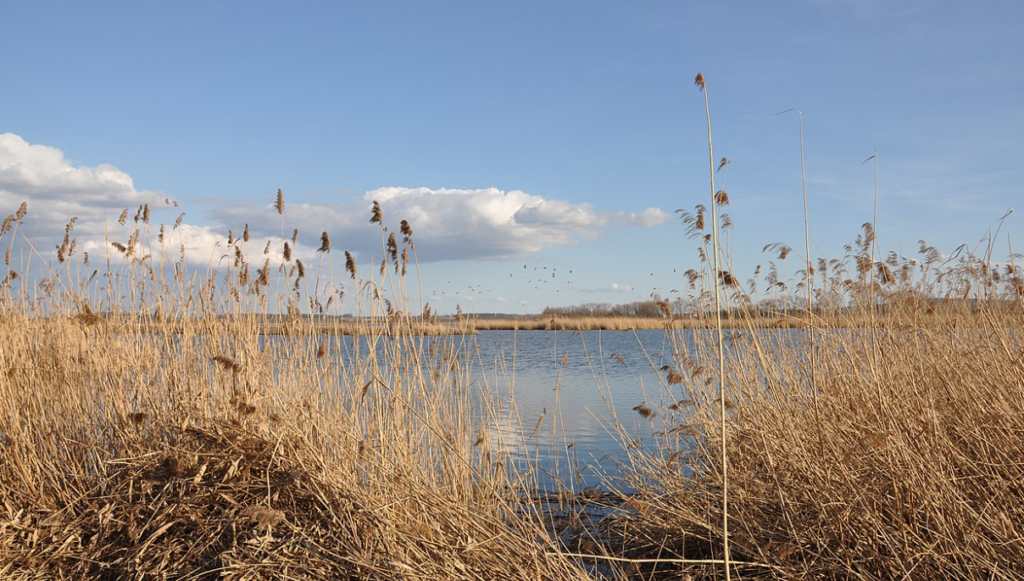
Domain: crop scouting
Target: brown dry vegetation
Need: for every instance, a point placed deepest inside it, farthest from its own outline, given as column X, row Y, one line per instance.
column 211, row 451
column 902, row 458
column 883, row 438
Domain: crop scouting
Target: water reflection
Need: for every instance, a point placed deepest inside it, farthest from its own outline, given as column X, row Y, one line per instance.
column 564, row 400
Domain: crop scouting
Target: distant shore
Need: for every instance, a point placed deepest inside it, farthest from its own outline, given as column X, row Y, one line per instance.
column 468, row 325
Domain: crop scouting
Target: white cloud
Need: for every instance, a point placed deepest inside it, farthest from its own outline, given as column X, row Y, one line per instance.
column 56, row 191
column 612, row 288
column 648, row 218
column 448, row 224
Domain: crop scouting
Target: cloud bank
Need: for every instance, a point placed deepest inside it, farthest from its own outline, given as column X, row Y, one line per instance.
column 449, row 223
column 57, row 191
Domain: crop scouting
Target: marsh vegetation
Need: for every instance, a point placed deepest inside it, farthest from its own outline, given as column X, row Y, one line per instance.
column 160, row 419
column 148, row 427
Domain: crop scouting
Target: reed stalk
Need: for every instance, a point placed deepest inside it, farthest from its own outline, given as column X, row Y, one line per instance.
column 809, row 285
column 701, row 82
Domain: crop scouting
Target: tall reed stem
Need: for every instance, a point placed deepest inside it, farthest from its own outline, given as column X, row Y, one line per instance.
column 809, row 270
column 700, row 82
column 871, row 287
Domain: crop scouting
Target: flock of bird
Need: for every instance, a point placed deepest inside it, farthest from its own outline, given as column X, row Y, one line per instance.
column 537, row 277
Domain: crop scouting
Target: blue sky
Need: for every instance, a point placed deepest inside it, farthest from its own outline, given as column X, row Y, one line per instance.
column 559, row 136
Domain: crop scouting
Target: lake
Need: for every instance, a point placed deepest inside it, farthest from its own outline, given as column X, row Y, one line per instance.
column 563, row 401
column 560, row 393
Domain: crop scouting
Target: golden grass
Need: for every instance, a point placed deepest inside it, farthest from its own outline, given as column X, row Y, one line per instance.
column 173, row 438
column 911, row 468
column 199, row 434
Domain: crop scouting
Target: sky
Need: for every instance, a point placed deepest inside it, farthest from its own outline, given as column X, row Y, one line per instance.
column 539, row 150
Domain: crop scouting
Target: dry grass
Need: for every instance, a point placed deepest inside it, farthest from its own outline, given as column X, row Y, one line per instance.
column 913, row 466
column 173, row 438
column 902, row 459
column 176, row 437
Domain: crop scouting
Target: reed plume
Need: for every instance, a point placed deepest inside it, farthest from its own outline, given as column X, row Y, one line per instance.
column 350, row 264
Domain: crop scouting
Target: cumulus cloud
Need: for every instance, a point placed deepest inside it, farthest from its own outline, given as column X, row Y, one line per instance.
column 451, row 224
column 57, row 191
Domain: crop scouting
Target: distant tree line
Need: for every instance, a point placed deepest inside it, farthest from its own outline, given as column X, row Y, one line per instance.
column 643, row 309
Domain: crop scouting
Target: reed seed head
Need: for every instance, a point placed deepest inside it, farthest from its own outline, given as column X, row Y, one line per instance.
column 227, row 364
column 644, row 411
column 279, row 203
column 325, row 243
column 263, row 275
column 350, row 264
column 392, row 247
column 699, row 81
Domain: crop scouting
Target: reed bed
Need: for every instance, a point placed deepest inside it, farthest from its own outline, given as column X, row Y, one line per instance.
column 161, row 422
column 908, row 463
column 151, row 428
column 880, row 438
